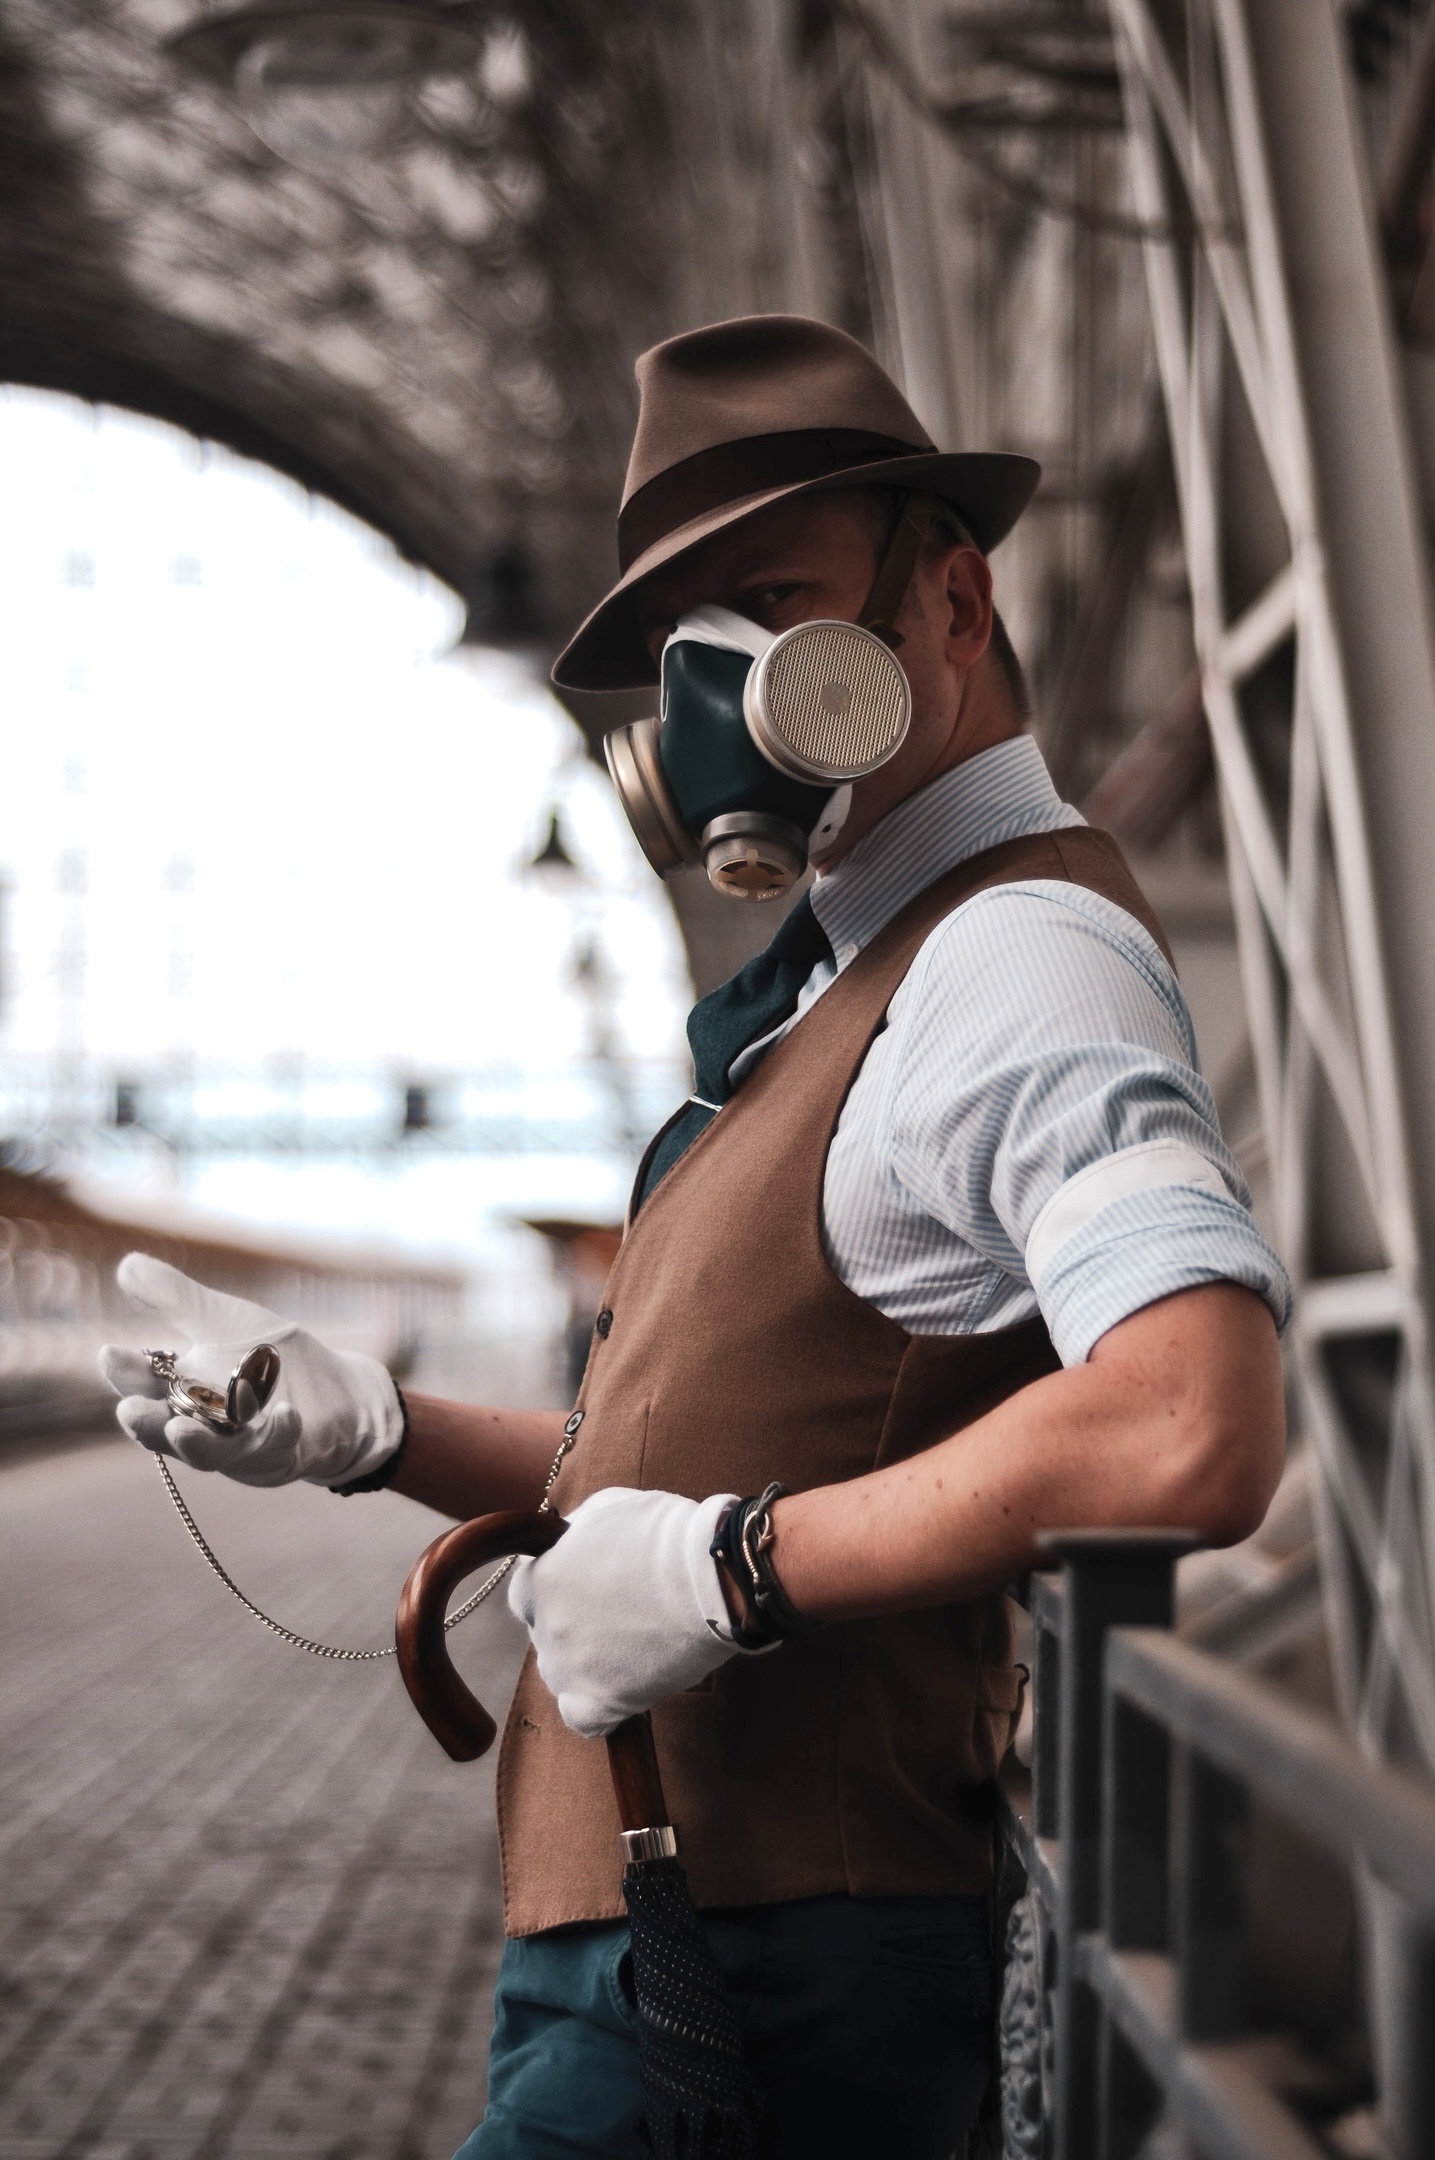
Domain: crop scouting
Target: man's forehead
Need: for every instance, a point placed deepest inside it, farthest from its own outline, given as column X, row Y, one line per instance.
column 762, row 543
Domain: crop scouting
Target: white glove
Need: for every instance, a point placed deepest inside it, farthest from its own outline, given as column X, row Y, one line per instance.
column 628, row 1606
column 335, row 1414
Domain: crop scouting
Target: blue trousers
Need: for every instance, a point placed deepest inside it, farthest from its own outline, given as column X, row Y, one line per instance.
column 867, row 2023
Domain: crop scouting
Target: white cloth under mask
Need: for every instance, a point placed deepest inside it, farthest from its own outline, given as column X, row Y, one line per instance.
column 730, row 632
column 720, row 626
column 832, row 820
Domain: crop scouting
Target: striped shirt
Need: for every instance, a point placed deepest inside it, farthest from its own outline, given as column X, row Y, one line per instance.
column 1030, row 1131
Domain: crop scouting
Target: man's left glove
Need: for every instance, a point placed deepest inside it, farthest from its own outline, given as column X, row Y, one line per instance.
column 335, row 1415
column 627, row 1607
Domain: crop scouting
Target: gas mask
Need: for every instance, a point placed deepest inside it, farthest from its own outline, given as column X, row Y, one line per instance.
column 760, row 737
column 749, row 768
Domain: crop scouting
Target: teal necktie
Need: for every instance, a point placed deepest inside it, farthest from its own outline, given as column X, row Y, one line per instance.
column 758, row 999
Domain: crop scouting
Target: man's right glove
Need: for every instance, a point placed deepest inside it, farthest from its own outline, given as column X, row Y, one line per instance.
column 334, row 1416
column 627, row 1607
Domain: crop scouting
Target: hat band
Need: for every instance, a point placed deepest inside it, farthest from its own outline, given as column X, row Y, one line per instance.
column 729, row 471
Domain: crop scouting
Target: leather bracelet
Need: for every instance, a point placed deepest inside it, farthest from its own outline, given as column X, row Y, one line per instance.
column 388, row 1470
column 743, row 1544
column 753, row 1632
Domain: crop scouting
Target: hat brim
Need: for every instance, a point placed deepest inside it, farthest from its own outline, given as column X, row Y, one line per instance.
column 989, row 488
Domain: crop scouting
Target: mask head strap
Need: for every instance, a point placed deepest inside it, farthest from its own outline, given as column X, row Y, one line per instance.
column 894, row 573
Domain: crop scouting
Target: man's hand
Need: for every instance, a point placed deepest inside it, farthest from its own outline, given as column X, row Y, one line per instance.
column 628, row 1606
column 334, row 1416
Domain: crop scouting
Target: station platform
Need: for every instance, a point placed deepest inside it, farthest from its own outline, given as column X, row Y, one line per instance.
column 247, row 1907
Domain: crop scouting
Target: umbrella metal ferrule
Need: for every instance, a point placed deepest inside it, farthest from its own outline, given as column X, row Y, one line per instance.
column 660, row 1843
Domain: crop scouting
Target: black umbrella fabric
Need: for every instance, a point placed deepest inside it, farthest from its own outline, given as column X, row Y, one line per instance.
column 698, row 2097
column 699, row 2102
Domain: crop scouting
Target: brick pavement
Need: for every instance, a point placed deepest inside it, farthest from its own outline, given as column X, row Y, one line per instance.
column 247, row 1907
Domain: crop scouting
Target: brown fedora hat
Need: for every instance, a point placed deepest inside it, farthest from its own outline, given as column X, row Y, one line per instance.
column 734, row 417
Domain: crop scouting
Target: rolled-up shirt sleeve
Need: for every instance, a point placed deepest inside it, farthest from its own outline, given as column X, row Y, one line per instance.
column 1045, row 1104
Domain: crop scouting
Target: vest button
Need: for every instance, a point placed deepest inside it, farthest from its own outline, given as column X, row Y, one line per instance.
column 604, row 1323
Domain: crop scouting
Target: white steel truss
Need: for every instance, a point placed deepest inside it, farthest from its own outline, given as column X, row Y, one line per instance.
column 1271, row 326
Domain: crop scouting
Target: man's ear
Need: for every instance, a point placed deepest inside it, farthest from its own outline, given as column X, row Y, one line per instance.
column 968, row 601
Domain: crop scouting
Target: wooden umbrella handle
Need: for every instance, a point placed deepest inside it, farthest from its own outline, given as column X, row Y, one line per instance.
column 637, row 1783
column 449, row 1708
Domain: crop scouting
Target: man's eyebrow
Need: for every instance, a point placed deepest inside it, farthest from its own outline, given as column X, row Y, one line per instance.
column 773, row 572
column 653, row 613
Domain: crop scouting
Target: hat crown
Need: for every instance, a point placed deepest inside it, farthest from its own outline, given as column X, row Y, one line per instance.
column 760, row 375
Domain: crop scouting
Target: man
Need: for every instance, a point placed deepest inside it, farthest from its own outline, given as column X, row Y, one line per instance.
column 944, row 1250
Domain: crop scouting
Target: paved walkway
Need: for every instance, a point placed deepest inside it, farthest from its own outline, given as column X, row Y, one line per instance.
column 247, row 1908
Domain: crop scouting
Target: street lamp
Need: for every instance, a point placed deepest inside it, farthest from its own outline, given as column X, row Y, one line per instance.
column 553, row 863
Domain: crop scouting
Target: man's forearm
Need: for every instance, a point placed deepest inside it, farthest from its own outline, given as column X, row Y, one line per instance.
column 1176, row 1420
column 466, row 1460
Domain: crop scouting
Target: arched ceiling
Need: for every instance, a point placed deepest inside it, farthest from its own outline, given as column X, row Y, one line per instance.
column 438, row 335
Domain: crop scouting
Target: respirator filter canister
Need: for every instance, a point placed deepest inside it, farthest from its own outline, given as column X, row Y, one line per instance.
column 827, row 701
column 756, row 734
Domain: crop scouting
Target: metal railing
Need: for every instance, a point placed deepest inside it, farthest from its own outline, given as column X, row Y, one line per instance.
column 1148, row 1757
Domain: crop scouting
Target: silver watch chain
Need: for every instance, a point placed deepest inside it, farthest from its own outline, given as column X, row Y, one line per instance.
column 330, row 1650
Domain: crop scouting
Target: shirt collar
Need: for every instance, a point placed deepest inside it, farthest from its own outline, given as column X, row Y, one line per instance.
column 998, row 795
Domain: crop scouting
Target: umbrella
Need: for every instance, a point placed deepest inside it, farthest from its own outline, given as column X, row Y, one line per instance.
column 698, row 2097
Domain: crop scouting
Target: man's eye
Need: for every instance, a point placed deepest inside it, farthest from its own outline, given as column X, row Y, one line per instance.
column 771, row 596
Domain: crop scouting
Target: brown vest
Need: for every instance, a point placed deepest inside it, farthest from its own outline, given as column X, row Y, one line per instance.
column 856, row 1759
